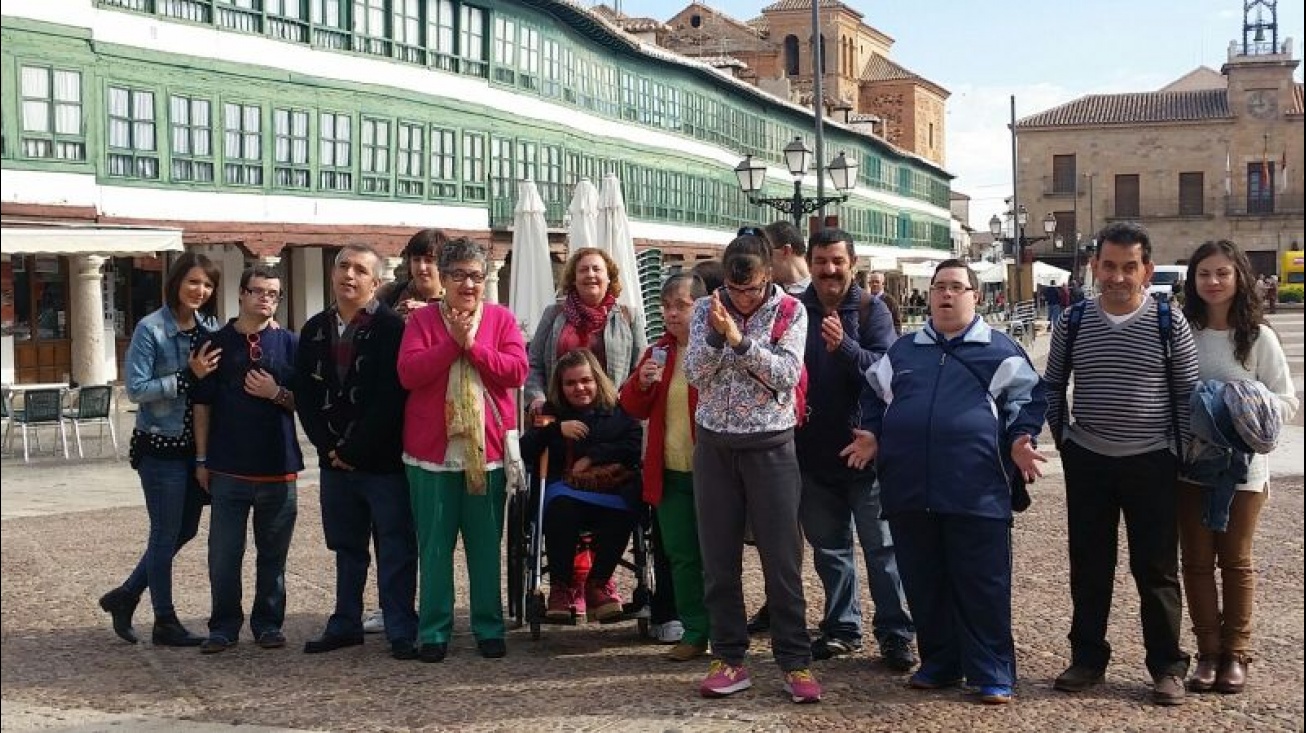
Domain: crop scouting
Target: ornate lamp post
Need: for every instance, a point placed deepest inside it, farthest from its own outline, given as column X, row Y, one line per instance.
column 1018, row 239
column 798, row 158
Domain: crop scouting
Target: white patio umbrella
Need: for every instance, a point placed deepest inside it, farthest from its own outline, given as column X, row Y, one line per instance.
column 583, row 228
column 1045, row 274
column 532, row 269
column 614, row 237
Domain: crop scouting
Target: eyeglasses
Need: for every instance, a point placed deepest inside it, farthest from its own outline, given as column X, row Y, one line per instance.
column 750, row 232
column 462, row 276
column 752, row 292
column 954, row 288
column 255, row 350
column 262, row 294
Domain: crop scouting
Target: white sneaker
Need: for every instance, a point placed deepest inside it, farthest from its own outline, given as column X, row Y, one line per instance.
column 669, row 633
column 374, row 622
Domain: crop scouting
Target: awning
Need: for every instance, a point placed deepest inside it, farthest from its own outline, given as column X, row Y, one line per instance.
column 87, row 239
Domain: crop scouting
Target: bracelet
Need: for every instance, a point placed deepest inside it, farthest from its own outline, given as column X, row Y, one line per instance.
column 201, row 460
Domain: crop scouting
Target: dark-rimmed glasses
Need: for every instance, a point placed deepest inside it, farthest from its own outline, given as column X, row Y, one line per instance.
column 462, row 276
column 264, row 294
column 750, row 292
column 954, row 288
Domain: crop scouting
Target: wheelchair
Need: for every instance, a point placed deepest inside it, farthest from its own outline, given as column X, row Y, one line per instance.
column 528, row 565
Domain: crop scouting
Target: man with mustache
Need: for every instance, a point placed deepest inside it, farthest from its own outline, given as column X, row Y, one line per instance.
column 850, row 331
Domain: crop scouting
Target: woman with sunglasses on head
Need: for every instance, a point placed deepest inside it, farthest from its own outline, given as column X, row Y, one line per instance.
column 1233, row 343
column 461, row 362
column 745, row 465
column 163, row 365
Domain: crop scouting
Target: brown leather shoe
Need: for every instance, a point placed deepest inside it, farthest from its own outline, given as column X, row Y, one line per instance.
column 1203, row 678
column 1168, row 690
column 1232, row 677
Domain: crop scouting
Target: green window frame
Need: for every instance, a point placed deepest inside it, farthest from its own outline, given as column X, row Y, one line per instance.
column 335, row 158
column 501, row 171
column 471, row 40
column 51, row 118
column 132, row 138
column 374, row 156
column 629, row 97
column 528, row 57
column 551, row 68
column 410, row 148
column 442, row 33
column 444, row 163
column 527, row 161
column 242, row 144
column 473, row 157
column 369, row 24
column 504, row 44
column 406, row 28
column 191, row 122
column 291, row 141
column 550, row 173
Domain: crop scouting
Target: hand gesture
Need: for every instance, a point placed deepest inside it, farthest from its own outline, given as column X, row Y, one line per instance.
column 719, row 318
column 574, row 429
column 832, row 331
column 650, row 373
column 1026, row 457
column 460, row 327
column 862, row 450
column 533, row 409
column 258, row 383
column 337, row 463
column 204, row 360
column 581, row 464
column 406, row 307
column 202, row 477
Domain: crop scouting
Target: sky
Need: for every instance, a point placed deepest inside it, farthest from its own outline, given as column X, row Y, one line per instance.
column 1044, row 52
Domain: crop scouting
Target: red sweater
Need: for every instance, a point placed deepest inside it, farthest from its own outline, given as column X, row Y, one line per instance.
column 652, row 406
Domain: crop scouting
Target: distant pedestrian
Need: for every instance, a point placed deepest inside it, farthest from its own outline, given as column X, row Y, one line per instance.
column 164, row 363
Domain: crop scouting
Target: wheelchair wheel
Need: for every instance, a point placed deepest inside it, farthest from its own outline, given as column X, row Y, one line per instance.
column 518, row 568
column 535, row 613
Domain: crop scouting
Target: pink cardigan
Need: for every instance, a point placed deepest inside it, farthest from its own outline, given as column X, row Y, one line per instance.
column 425, row 356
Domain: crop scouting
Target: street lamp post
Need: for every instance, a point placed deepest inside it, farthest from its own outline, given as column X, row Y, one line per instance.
column 798, row 158
column 1020, row 241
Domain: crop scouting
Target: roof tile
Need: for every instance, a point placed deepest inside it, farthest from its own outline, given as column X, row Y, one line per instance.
column 1134, row 108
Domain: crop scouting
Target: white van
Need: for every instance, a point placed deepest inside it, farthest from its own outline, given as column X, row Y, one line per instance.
column 1164, row 278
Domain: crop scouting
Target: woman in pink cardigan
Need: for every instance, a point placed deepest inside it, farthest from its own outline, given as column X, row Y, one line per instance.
column 461, row 362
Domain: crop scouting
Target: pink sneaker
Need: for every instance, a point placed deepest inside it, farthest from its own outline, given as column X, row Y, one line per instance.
column 577, row 591
column 802, row 686
column 559, row 608
column 602, row 601
column 723, row 679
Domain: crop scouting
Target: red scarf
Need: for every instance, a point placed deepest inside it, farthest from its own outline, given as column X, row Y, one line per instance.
column 587, row 319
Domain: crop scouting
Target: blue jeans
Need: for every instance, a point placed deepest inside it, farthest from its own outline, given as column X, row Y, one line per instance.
column 174, row 503
column 831, row 508
column 353, row 502
column 275, row 507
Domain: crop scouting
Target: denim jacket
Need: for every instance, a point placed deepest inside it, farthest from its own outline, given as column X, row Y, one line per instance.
column 1213, row 459
column 158, row 353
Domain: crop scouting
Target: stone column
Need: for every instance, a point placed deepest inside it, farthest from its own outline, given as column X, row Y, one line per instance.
column 87, row 301
column 388, row 267
column 492, row 280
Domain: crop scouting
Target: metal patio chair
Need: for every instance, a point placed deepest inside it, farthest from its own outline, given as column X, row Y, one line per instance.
column 41, row 407
column 94, row 407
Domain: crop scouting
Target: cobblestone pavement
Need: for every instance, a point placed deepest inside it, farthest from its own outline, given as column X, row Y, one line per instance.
column 72, row 530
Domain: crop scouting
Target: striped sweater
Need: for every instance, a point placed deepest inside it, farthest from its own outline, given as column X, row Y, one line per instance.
column 1120, row 404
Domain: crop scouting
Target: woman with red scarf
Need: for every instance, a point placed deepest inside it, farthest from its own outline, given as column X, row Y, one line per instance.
column 587, row 317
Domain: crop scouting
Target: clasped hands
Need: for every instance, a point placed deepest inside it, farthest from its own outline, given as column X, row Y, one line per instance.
column 865, row 446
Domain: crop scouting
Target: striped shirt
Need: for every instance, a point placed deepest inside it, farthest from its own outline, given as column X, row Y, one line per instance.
column 1121, row 403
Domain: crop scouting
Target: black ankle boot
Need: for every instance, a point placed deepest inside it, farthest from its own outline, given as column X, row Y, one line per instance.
column 168, row 631
column 121, row 605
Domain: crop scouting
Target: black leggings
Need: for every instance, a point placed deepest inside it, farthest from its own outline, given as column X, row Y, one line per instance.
column 564, row 520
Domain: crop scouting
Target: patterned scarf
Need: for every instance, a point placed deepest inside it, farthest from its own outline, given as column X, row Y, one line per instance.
column 464, row 411
column 587, row 319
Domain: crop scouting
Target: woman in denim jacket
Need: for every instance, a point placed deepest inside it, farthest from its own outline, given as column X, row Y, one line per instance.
column 162, row 367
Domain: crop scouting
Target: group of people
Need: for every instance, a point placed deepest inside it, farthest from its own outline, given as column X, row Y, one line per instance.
column 782, row 407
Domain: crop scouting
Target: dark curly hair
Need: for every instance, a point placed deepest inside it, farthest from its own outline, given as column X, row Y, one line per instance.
column 1245, row 316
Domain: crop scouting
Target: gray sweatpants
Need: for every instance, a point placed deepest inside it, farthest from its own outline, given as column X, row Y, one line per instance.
column 754, row 475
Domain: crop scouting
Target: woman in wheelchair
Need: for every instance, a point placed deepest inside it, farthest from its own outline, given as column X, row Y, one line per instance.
column 592, row 482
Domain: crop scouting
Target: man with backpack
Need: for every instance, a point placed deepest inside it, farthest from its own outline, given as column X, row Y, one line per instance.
column 1134, row 365
column 850, row 330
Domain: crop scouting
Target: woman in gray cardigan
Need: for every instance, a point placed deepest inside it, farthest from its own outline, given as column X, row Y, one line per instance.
column 587, row 317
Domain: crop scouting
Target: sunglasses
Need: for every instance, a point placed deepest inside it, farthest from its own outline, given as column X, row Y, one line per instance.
column 750, row 232
column 255, row 349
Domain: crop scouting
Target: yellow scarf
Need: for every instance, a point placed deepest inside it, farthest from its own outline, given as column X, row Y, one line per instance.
column 464, row 411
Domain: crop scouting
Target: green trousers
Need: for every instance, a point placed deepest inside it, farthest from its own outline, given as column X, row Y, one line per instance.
column 678, row 522
column 442, row 509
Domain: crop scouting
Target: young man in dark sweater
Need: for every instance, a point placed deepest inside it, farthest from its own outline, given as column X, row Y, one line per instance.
column 351, row 405
column 247, row 457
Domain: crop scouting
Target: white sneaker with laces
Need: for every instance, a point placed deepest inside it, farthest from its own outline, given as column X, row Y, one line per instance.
column 670, row 632
column 374, row 622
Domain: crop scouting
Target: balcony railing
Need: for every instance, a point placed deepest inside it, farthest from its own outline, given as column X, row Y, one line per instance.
column 1278, row 205
column 1161, row 207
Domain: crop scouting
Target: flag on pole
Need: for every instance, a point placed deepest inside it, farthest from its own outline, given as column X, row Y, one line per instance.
column 1267, row 185
column 1228, row 174
column 1283, row 171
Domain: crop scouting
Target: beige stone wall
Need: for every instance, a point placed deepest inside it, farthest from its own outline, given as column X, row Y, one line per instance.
column 895, row 103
